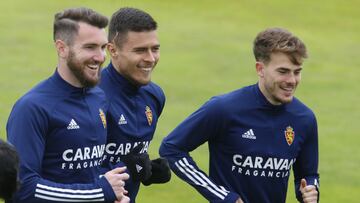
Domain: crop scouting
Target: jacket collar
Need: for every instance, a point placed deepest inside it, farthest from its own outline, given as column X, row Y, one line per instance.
column 67, row 87
column 264, row 103
column 124, row 83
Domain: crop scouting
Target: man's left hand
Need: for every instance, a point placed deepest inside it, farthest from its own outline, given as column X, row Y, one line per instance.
column 138, row 164
column 309, row 192
column 160, row 172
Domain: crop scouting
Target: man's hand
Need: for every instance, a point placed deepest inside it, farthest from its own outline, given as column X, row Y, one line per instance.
column 124, row 199
column 116, row 179
column 160, row 172
column 239, row 200
column 138, row 164
column 309, row 192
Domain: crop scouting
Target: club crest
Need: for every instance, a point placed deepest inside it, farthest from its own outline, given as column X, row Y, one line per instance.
column 102, row 117
column 289, row 135
column 149, row 115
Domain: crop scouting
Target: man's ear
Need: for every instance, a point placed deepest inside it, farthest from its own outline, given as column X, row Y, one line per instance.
column 61, row 48
column 112, row 49
column 260, row 68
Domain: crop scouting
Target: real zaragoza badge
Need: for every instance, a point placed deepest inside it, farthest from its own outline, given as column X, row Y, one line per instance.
column 149, row 115
column 289, row 135
column 102, row 117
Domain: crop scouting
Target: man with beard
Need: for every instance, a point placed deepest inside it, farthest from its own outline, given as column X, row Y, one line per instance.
column 59, row 127
column 135, row 103
column 255, row 134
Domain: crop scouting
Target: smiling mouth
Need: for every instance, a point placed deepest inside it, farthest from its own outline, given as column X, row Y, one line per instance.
column 93, row 67
column 288, row 90
column 146, row 69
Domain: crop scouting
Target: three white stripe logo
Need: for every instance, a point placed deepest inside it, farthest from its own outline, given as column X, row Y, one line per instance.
column 198, row 178
column 68, row 195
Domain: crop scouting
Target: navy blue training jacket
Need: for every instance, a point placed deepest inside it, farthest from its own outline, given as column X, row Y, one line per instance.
column 59, row 132
column 132, row 117
column 252, row 147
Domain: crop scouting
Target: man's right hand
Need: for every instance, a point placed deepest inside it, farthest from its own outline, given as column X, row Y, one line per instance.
column 116, row 179
column 239, row 200
column 124, row 199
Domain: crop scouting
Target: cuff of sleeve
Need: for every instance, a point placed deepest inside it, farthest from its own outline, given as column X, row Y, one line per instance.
column 109, row 194
column 231, row 197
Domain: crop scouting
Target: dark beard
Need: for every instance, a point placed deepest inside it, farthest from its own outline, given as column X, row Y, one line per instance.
column 77, row 69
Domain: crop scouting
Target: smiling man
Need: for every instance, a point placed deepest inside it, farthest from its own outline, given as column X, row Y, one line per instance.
column 255, row 134
column 135, row 102
column 59, row 127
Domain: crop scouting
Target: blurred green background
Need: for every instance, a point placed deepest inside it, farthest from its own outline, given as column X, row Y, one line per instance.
column 206, row 49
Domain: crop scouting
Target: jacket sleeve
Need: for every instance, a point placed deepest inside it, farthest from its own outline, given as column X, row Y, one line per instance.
column 200, row 127
column 306, row 165
column 26, row 130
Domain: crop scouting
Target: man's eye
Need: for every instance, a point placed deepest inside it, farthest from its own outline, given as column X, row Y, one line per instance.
column 140, row 50
column 89, row 47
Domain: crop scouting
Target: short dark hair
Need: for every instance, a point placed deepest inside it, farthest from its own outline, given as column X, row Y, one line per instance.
column 9, row 166
column 66, row 22
column 129, row 19
column 274, row 40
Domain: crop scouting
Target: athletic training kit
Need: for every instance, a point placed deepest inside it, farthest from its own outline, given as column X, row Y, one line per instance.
column 59, row 132
column 252, row 146
column 132, row 118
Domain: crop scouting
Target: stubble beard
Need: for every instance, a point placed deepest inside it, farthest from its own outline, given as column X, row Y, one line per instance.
column 78, row 69
column 274, row 93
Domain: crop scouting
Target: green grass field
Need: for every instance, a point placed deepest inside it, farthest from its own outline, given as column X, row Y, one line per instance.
column 206, row 49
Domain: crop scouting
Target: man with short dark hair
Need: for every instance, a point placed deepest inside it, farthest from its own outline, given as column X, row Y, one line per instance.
column 9, row 166
column 59, row 127
column 135, row 103
column 255, row 134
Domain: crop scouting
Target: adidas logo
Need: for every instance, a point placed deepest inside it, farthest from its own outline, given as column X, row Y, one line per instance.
column 122, row 120
column 249, row 135
column 73, row 125
column 138, row 168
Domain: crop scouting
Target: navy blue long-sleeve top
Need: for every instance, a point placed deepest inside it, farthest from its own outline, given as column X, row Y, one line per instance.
column 132, row 118
column 252, row 147
column 59, row 132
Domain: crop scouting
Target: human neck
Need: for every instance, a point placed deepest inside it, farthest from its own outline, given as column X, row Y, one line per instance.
column 66, row 74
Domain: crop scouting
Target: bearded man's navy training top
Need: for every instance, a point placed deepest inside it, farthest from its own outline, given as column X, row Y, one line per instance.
column 252, row 147
column 59, row 132
column 132, row 117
